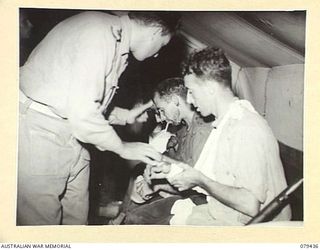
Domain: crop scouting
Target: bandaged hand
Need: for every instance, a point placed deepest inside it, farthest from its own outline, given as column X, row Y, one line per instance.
column 154, row 172
column 164, row 170
column 141, row 191
column 159, row 171
column 187, row 179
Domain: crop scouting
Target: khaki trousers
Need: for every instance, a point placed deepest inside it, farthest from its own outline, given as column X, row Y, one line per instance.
column 53, row 171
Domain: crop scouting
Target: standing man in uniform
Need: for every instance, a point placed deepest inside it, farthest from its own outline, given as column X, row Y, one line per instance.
column 66, row 86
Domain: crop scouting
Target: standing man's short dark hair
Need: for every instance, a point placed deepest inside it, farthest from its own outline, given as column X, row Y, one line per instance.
column 167, row 20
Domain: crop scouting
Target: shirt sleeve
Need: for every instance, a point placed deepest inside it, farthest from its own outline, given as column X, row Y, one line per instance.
column 94, row 52
column 249, row 162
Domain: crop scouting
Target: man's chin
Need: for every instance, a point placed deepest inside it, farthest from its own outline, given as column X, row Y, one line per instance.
column 138, row 57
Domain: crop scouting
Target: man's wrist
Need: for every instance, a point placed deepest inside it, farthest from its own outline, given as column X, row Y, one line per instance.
column 201, row 180
column 120, row 149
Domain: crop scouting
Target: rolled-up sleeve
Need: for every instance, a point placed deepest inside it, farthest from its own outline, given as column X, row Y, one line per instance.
column 91, row 62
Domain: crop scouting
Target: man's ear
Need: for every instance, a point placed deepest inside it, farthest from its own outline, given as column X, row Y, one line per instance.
column 156, row 31
column 175, row 100
column 210, row 87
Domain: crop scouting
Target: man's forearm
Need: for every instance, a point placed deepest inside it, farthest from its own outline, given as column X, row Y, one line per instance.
column 239, row 199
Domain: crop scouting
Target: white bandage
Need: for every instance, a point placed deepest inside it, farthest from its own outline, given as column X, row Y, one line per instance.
column 174, row 170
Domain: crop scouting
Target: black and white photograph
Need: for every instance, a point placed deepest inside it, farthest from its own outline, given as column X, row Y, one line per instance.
column 149, row 117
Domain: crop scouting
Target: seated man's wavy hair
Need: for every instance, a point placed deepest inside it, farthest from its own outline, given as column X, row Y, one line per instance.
column 208, row 64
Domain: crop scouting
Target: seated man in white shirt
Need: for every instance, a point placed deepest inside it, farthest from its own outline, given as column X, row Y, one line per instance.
column 239, row 168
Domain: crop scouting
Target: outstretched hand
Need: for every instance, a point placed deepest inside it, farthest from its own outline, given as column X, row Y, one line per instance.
column 121, row 116
column 140, row 151
column 138, row 113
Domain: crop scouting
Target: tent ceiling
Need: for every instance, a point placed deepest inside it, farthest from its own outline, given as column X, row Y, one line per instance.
column 251, row 39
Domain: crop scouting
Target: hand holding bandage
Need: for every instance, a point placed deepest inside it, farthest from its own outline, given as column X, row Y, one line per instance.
column 121, row 116
column 164, row 170
column 178, row 174
column 187, row 178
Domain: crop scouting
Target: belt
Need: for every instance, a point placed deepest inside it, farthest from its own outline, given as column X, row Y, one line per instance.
column 44, row 109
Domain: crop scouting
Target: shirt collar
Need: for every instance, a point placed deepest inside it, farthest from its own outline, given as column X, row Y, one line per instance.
column 193, row 121
column 234, row 111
